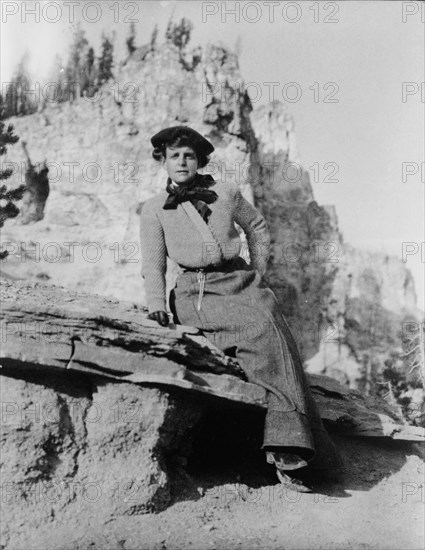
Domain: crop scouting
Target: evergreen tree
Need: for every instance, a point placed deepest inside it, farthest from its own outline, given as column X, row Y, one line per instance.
column 131, row 39
column 75, row 72
column 179, row 33
column 10, row 101
column 8, row 197
column 18, row 100
column 106, row 61
column 26, row 103
column 57, row 91
column 90, row 74
column 154, row 37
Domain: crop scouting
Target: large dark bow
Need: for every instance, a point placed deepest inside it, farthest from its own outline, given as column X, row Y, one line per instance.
column 196, row 191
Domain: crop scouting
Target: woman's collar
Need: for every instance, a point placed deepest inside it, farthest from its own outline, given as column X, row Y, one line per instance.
column 205, row 180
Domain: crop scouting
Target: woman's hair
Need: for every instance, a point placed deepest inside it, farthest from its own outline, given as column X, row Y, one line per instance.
column 181, row 141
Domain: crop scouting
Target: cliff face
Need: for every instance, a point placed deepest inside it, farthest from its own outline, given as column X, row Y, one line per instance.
column 101, row 170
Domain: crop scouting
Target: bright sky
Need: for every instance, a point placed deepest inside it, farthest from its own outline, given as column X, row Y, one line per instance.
column 367, row 49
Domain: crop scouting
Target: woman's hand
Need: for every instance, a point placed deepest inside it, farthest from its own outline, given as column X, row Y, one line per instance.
column 160, row 317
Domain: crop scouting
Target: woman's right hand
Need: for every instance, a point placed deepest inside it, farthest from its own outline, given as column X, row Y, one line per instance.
column 160, row 317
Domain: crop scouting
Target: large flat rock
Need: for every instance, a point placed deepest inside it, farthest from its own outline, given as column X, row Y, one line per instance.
column 48, row 327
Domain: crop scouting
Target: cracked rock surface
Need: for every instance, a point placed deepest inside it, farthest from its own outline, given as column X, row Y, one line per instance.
column 68, row 444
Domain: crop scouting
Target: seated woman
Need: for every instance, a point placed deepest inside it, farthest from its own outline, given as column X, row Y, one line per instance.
column 193, row 222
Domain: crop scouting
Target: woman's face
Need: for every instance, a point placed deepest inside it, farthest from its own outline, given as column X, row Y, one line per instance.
column 181, row 164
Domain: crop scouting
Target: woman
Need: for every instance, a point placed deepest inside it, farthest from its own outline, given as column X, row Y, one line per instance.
column 192, row 222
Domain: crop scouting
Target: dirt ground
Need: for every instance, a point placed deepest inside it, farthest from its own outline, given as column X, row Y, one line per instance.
column 380, row 505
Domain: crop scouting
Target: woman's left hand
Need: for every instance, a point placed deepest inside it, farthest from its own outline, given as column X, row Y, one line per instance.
column 160, row 317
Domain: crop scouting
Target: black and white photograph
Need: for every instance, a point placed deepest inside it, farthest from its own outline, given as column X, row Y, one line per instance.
column 212, row 275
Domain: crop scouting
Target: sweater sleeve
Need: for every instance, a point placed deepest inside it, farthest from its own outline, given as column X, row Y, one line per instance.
column 255, row 228
column 154, row 259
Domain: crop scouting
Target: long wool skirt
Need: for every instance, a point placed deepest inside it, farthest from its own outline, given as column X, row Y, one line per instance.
column 241, row 316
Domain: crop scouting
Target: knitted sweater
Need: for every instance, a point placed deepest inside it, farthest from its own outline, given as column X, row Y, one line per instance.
column 184, row 237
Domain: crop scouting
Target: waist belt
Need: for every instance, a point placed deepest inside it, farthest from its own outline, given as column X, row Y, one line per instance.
column 210, row 268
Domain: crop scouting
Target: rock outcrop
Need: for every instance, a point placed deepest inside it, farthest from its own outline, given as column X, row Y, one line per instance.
column 99, row 405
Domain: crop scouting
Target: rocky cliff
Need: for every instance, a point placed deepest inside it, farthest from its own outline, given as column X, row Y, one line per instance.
column 100, row 172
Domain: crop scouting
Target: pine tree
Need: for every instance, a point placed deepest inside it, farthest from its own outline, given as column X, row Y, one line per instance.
column 179, row 33
column 131, row 39
column 26, row 105
column 106, row 61
column 10, row 100
column 75, row 68
column 18, row 100
column 90, row 74
column 154, row 37
column 8, row 197
column 57, row 91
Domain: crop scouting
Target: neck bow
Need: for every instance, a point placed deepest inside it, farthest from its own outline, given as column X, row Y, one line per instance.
column 196, row 192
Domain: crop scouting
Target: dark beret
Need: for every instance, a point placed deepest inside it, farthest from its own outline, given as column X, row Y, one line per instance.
column 168, row 135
